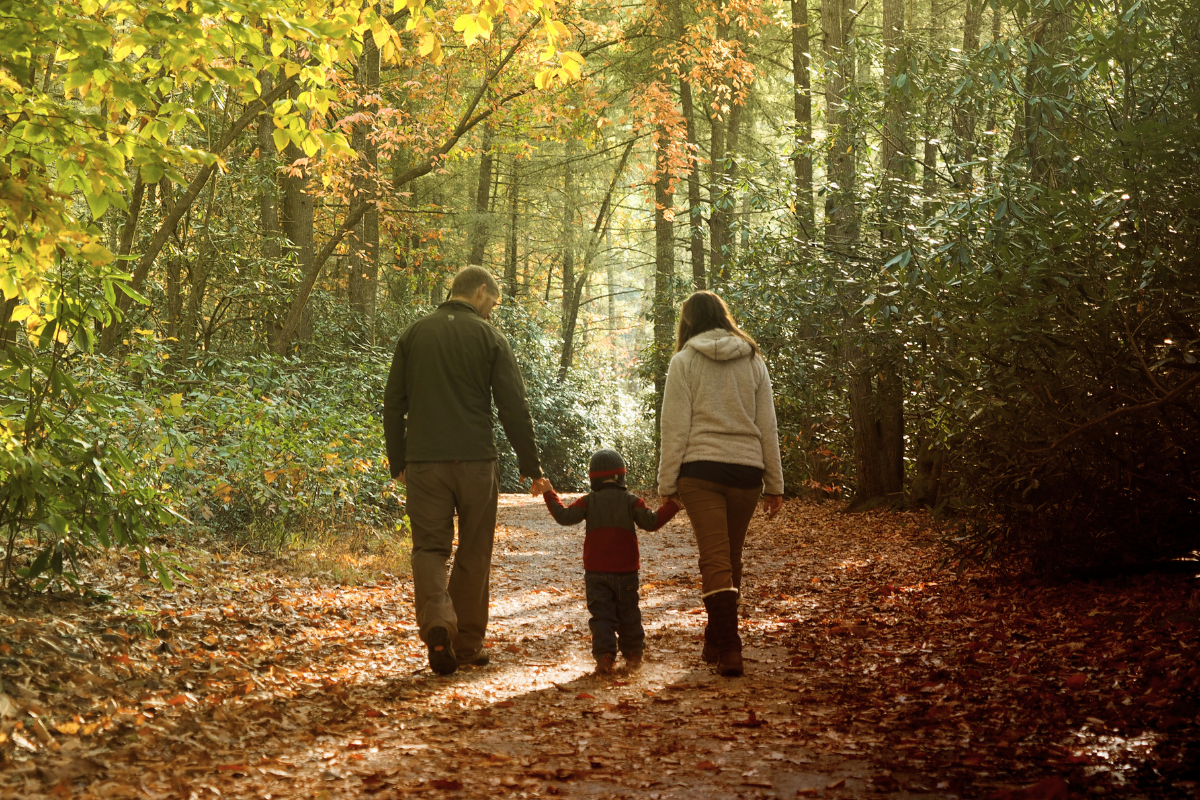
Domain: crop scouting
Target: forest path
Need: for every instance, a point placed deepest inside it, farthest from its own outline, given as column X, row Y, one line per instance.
column 871, row 672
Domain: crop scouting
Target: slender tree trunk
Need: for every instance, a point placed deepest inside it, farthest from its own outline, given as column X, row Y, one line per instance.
column 896, row 145
column 298, row 216
column 364, row 250
column 963, row 119
column 1043, row 90
column 840, row 216
column 733, row 135
column 802, row 111
column 890, row 396
column 695, row 211
column 568, row 307
column 198, row 274
column 268, row 213
column 868, row 446
column 511, row 245
column 479, row 222
column 990, row 125
column 718, row 219
column 573, row 288
column 664, row 277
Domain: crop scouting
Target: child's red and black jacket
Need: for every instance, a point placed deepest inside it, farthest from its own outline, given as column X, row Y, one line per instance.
column 612, row 515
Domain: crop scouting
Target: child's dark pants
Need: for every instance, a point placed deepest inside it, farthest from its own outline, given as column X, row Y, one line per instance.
column 612, row 600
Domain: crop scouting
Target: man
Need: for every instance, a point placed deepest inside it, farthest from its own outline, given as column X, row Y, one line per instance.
column 437, row 422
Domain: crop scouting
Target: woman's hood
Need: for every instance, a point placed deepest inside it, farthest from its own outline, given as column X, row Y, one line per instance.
column 720, row 345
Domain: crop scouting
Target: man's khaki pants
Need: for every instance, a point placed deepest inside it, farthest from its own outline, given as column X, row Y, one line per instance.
column 436, row 490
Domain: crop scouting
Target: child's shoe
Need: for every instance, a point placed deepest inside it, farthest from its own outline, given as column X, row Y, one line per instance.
column 605, row 663
column 633, row 661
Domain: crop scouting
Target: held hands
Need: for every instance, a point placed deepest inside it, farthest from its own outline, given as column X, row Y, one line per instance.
column 771, row 505
column 539, row 486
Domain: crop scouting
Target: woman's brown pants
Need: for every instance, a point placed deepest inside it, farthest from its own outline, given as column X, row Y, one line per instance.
column 720, row 516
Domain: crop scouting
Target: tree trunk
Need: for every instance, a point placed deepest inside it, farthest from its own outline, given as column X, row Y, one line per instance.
column 841, row 227
column 573, row 288
column 511, row 244
column 963, row 120
column 1042, row 128
column 868, row 442
column 363, row 281
column 268, row 208
column 198, row 275
column 802, row 111
column 896, row 145
column 569, row 308
column 695, row 211
column 718, row 220
column 479, row 222
column 664, row 277
column 298, row 214
column 890, row 399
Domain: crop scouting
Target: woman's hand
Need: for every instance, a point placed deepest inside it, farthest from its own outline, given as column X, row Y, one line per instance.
column 771, row 505
column 672, row 497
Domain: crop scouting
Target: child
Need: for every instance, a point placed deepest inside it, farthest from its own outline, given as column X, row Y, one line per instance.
column 610, row 557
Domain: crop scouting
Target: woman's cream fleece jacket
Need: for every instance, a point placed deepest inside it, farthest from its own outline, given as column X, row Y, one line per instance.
column 718, row 406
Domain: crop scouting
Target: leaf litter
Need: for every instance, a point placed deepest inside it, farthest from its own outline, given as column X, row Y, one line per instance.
column 870, row 672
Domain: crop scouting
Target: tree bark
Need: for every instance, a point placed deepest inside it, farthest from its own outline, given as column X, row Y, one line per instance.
column 569, row 307
column 511, row 244
column 1042, row 129
column 573, row 288
column 802, row 112
column 268, row 204
column 664, row 277
column 963, row 119
column 840, row 217
column 479, row 222
column 298, row 212
column 362, row 285
column 896, row 145
column 695, row 211
column 868, row 449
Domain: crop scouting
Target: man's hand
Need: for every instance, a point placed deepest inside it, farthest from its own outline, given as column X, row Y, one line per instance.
column 771, row 505
column 673, row 498
column 539, row 486
column 400, row 478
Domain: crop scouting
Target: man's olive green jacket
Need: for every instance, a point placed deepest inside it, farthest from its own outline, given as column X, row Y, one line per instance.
column 437, row 406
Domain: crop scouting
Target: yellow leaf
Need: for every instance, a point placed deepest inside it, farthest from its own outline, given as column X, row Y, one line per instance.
column 428, row 42
column 122, row 51
column 291, row 68
column 311, row 145
column 466, row 25
column 542, row 79
column 21, row 312
column 280, row 137
column 380, row 35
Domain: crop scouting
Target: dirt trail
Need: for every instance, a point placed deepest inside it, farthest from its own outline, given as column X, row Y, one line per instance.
column 871, row 672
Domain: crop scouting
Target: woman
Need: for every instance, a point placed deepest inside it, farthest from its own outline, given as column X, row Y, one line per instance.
column 719, row 444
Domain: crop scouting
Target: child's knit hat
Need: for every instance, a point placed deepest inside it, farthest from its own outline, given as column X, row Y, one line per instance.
column 606, row 464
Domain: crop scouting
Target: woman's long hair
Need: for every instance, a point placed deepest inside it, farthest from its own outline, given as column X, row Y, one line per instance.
column 706, row 311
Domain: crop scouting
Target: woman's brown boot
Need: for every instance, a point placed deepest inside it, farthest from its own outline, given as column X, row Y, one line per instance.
column 711, row 654
column 725, row 634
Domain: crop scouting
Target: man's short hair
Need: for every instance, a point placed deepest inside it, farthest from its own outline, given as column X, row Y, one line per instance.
column 469, row 279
